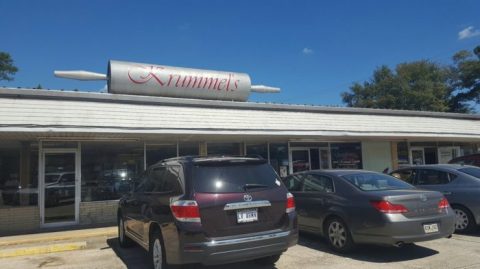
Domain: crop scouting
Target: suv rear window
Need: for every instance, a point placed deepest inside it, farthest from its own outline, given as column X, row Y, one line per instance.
column 223, row 177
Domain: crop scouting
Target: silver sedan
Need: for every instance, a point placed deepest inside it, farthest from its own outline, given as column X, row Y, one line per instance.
column 351, row 207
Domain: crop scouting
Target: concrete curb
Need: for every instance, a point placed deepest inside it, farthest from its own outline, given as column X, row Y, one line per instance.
column 36, row 250
column 57, row 236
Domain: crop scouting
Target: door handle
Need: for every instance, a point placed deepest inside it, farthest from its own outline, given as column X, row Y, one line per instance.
column 446, row 192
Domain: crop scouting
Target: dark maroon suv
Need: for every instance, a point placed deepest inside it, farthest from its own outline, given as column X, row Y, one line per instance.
column 209, row 210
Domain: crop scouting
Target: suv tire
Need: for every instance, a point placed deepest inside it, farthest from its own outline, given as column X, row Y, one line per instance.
column 157, row 251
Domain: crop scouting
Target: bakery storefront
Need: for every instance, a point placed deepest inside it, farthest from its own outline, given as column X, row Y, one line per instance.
column 67, row 156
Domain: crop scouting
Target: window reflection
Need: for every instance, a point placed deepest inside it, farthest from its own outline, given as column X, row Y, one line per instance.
column 158, row 152
column 223, row 148
column 108, row 168
column 18, row 173
column 346, row 155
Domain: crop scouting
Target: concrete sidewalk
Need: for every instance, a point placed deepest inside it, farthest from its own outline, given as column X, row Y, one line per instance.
column 50, row 242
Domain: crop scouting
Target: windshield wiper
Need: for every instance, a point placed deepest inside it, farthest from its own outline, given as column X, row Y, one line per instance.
column 253, row 186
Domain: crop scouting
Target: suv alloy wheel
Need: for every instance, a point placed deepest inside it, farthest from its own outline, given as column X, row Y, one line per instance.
column 157, row 251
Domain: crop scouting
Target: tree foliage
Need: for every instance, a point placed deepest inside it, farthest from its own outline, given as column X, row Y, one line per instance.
column 7, row 69
column 420, row 85
column 466, row 77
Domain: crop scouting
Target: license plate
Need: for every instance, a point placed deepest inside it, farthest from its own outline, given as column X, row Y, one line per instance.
column 430, row 228
column 247, row 215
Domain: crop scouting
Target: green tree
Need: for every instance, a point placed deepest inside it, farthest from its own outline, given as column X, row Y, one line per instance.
column 419, row 85
column 7, row 69
column 466, row 77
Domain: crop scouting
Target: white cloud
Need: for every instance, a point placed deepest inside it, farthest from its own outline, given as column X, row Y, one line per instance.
column 307, row 51
column 468, row 32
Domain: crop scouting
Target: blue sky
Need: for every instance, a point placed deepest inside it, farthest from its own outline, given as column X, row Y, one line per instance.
column 313, row 50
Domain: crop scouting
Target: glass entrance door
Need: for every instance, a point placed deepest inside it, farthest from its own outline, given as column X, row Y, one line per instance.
column 325, row 158
column 300, row 160
column 60, row 187
column 309, row 158
column 417, row 156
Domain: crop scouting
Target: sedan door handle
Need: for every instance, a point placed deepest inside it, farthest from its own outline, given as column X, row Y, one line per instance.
column 446, row 192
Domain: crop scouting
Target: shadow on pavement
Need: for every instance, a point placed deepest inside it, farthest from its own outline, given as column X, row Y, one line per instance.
column 370, row 253
column 137, row 258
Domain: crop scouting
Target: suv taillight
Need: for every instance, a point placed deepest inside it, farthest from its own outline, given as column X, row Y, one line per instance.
column 290, row 203
column 443, row 204
column 185, row 210
column 389, row 208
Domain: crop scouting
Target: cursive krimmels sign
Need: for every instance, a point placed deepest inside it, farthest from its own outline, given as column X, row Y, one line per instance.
column 160, row 80
column 169, row 81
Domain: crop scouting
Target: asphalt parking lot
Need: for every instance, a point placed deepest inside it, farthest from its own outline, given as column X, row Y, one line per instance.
column 461, row 251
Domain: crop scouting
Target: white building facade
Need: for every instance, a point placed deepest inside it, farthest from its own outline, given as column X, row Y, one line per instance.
column 66, row 157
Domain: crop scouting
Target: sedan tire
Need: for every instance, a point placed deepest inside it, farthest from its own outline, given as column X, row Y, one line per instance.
column 464, row 221
column 338, row 235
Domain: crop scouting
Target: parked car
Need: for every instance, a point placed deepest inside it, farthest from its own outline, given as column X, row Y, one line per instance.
column 350, row 207
column 209, row 210
column 459, row 183
column 472, row 159
column 59, row 188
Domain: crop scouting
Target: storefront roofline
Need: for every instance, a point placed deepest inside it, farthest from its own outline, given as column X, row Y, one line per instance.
column 27, row 93
column 115, row 135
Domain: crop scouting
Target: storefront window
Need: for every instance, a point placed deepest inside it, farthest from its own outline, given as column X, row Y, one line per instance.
column 467, row 148
column 108, row 169
column 223, row 148
column 158, row 152
column 260, row 149
column 402, row 154
column 279, row 158
column 346, row 155
column 18, row 173
column 188, row 149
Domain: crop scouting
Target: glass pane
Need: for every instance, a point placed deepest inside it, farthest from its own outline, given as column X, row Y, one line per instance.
column 59, row 187
column 346, row 156
column 279, row 158
column 402, row 154
column 309, row 144
column 324, row 159
column 376, row 182
column 232, row 177
column 258, row 149
column 223, row 148
column 109, row 168
column 156, row 153
column 417, row 156
column 18, row 173
column 300, row 160
column 432, row 177
column 188, row 149
column 431, row 155
column 315, row 159
column 60, row 144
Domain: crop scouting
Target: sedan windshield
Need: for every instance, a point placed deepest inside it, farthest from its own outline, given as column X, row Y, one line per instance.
column 376, row 182
column 473, row 171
